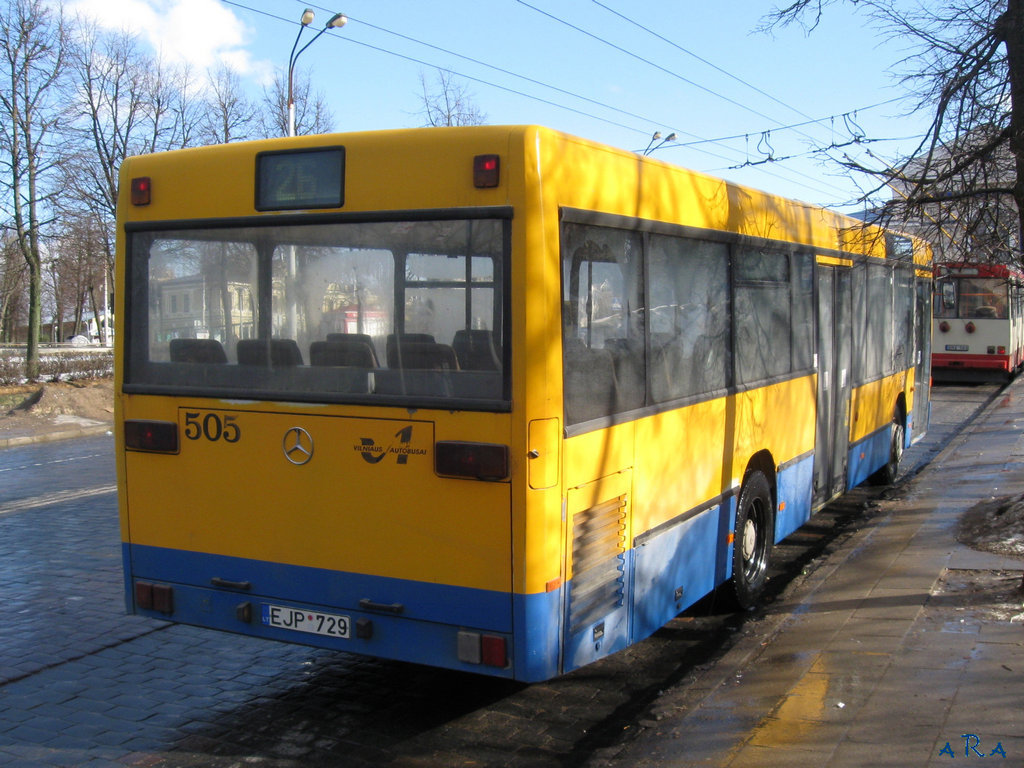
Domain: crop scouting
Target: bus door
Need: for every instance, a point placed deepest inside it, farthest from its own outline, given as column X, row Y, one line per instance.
column 834, row 382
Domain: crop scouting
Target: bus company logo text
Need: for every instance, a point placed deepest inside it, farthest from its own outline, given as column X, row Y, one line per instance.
column 402, row 450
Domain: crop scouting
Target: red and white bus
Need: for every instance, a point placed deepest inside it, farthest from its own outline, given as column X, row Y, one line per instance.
column 978, row 328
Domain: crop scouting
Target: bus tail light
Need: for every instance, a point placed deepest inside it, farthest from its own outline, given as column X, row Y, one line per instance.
column 486, row 171
column 489, row 650
column 477, row 461
column 153, row 436
column 154, row 597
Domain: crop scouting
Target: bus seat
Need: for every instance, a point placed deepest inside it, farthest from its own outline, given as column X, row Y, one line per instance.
column 406, row 338
column 275, row 352
column 197, row 351
column 475, row 350
column 350, row 353
column 422, row 355
column 363, row 337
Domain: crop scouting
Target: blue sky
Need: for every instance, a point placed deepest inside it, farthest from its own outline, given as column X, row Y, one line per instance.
column 582, row 66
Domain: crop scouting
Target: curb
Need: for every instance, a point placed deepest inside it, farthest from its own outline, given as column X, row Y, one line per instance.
column 64, row 433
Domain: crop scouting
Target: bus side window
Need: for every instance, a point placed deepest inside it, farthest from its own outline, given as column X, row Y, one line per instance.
column 689, row 317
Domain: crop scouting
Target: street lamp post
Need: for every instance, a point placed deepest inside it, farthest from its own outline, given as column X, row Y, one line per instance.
column 651, row 147
column 336, row 21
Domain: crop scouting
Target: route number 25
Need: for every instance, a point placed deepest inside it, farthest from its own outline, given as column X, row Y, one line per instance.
column 212, row 426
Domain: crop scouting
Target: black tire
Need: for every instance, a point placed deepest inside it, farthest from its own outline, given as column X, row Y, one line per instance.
column 753, row 541
column 890, row 470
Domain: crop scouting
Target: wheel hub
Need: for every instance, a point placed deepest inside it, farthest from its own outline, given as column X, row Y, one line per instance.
column 749, row 539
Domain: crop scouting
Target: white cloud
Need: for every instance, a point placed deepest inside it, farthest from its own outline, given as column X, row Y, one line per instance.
column 202, row 33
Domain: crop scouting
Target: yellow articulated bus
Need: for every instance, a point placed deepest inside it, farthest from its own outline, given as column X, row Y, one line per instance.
column 496, row 399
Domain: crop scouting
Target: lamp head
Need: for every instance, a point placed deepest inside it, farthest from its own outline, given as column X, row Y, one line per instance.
column 307, row 17
column 336, row 21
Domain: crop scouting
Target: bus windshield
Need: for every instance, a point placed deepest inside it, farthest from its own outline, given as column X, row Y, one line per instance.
column 332, row 311
column 972, row 297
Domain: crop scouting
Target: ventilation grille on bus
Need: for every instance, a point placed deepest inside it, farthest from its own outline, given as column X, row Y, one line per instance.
column 598, row 562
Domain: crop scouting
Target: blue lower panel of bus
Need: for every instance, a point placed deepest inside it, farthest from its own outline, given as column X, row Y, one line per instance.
column 869, row 455
column 678, row 566
column 795, row 491
column 425, row 630
column 681, row 563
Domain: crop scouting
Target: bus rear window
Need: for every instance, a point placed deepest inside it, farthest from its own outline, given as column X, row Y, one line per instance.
column 409, row 311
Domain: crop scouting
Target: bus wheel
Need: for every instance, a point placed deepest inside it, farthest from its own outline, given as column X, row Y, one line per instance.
column 752, row 544
column 887, row 474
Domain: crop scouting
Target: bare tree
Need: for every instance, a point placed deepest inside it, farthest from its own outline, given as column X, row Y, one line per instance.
column 965, row 180
column 13, row 285
column 229, row 114
column 312, row 114
column 32, row 62
column 447, row 102
column 112, row 102
column 78, row 266
column 127, row 103
column 174, row 113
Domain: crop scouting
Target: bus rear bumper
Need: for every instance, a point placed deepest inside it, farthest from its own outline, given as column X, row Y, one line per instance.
column 476, row 637
column 978, row 362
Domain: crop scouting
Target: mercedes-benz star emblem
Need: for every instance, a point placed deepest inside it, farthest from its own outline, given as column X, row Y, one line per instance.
column 298, row 446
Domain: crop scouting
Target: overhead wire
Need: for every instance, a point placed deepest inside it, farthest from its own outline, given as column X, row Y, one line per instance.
column 414, row 60
column 676, row 75
column 696, row 144
column 646, row 61
column 482, row 81
column 816, row 182
column 698, row 140
column 857, row 134
column 701, row 59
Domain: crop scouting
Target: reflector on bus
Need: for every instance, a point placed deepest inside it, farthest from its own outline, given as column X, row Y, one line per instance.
column 155, row 436
column 478, row 461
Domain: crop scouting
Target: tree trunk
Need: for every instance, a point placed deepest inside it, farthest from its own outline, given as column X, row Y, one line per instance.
column 35, row 316
column 1010, row 29
column 95, row 314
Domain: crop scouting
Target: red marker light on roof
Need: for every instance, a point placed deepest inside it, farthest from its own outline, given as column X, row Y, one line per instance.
column 486, row 171
column 142, row 189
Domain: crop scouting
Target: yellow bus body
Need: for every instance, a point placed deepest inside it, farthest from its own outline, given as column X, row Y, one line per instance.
column 426, row 565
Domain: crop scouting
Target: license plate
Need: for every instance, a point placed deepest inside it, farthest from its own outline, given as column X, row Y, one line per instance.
column 311, row 622
column 956, row 347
